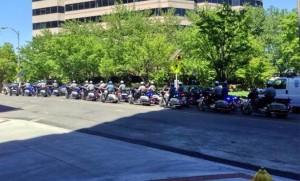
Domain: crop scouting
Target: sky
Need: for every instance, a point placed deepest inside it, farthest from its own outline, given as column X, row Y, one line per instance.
column 17, row 14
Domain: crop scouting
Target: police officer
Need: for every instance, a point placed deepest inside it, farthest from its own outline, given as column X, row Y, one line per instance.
column 218, row 90
column 269, row 93
column 225, row 89
column 180, row 87
column 91, row 86
column 141, row 89
column 152, row 87
column 121, row 88
column 171, row 92
column 85, row 87
column 73, row 84
column 110, row 88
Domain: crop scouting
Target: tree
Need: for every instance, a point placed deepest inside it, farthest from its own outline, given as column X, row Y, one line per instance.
column 137, row 44
column 224, row 41
column 8, row 62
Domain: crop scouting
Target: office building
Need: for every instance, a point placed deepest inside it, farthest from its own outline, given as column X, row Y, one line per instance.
column 50, row 14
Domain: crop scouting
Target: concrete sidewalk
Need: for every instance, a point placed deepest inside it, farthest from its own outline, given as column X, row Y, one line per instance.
column 34, row 151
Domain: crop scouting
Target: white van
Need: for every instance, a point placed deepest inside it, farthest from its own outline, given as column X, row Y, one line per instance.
column 288, row 88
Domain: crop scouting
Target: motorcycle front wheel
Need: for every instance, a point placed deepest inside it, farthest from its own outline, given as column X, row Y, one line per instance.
column 201, row 106
column 246, row 110
column 162, row 103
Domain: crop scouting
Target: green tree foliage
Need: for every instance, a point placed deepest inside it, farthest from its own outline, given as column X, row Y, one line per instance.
column 8, row 62
column 224, row 39
column 37, row 61
column 246, row 45
column 287, row 54
column 138, row 45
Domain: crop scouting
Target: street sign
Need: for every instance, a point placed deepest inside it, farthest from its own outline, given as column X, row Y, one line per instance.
column 175, row 67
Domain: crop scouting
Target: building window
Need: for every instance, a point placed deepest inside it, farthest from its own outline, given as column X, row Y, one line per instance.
column 54, row 9
column 93, row 4
column 87, row 5
column 48, row 24
column 48, row 10
column 81, row 6
column 61, row 9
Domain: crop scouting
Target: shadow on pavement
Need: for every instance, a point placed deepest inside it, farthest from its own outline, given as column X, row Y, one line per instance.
column 4, row 108
column 70, row 155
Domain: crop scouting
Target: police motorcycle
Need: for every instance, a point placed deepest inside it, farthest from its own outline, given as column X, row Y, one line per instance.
column 44, row 92
column 179, row 100
column 73, row 93
column 124, row 96
column 29, row 91
column 256, row 103
column 208, row 101
column 14, row 89
column 156, row 97
column 56, row 91
column 143, row 98
column 92, row 95
column 111, row 97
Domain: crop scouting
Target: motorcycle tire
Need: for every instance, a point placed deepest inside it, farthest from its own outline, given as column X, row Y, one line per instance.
column 130, row 101
column 162, row 103
column 201, row 106
column 246, row 110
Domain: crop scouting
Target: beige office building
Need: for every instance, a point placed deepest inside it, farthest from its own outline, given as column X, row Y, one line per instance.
column 50, row 14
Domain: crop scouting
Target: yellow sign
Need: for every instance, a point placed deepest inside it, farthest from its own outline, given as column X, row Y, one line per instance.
column 176, row 67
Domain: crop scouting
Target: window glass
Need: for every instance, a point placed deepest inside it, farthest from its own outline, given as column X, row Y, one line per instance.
column 75, row 6
column 81, row 6
column 60, row 23
column 279, row 84
column 61, row 9
column 69, row 7
column 48, row 24
column 48, row 10
column 111, row 2
column 105, row 2
column 54, row 24
column 235, row 2
column 43, row 25
column 43, row 11
column 93, row 4
column 54, row 9
column 38, row 12
column 87, row 5
column 99, row 3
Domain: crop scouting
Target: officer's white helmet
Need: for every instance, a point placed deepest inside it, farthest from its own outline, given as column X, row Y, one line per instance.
column 142, row 83
column 74, row 81
column 91, row 82
column 122, row 82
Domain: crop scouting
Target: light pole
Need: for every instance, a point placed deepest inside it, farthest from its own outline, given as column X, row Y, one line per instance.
column 18, row 35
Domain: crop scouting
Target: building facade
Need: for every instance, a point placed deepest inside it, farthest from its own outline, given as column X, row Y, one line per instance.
column 50, row 14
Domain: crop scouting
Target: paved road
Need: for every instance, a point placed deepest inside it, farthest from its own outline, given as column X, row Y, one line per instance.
column 245, row 141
